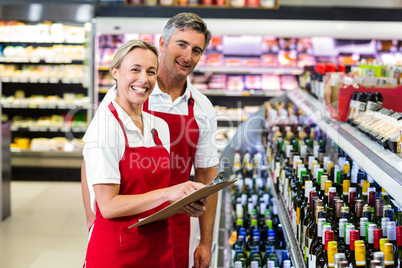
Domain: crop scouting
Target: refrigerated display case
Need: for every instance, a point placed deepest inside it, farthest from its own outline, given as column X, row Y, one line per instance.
column 47, row 89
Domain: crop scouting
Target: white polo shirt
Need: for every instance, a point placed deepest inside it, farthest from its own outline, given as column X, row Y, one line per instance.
column 105, row 143
column 206, row 154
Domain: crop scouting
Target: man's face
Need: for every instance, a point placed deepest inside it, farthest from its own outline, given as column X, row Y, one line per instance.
column 180, row 56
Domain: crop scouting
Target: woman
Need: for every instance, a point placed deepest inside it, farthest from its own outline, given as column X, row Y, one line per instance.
column 127, row 168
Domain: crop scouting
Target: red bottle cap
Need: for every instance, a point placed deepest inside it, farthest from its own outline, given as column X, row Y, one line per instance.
column 354, row 235
column 329, row 236
column 377, row 237
column 311, row 195
column 399, row 235
column 371, row 197
column 352, row 197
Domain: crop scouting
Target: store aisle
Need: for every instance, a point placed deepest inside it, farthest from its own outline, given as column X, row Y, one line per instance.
column 47, row 227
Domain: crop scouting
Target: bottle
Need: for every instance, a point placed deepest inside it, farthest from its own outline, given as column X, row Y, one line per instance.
column 308, row 218
column 350, row 255
column 362, row 228
column 332, row 250
column 398, row 254
column 342, row 243
column 321, row 255
column 378, row 211
column 370, row 249
column 382, row 242
column 389, row 255
column 317, row 235
column 391, row 235
column 336, row 217
column 317, row 251
column 384, row 224
column 359, row 203
column 367, row 213
column 360, row 251
column 377, row 236
column 379, row 256
column 375, row 264
column 238, row 264
column 339, row 257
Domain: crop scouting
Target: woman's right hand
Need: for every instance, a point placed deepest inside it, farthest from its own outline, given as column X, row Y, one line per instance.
column 180, row 190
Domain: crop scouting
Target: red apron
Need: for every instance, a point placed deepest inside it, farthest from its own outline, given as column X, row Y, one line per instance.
column 112, row 244
column 184, row 135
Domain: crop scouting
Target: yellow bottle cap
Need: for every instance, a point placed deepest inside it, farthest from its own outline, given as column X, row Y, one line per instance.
column 366, row 185
column 346, row 185
column 328, row 184
column 382, row 242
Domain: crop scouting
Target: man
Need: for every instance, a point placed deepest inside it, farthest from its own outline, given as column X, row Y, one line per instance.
column 192, row 125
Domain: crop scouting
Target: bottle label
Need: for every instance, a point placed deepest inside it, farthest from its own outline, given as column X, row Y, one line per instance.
column 389, row 263
column 311, row 263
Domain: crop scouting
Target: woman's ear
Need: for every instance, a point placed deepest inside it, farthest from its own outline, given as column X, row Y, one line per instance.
column 115, row 73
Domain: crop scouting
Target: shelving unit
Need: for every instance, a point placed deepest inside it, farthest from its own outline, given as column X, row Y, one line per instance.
column 383, row 166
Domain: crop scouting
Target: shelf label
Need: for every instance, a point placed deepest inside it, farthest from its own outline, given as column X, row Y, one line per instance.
column 53, row 80
column 54, row 129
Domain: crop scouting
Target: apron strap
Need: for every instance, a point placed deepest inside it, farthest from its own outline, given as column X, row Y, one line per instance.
column 156, row 137
column 191, row 105
column 114, row 112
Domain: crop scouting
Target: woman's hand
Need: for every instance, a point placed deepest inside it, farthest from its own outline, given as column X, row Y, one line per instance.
column 181, row 190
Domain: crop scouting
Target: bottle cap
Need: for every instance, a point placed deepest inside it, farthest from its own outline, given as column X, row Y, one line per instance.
column 382, row 242
column 324, row 178
column 325, row 227
column 366, row 209
column 254, row 264
column 311, row 195
column 342, row 223
column 346, row 186
column 352, row 196
column 331, row 195
column 286, row 264
column 371, row 228
column 371, row 196
column 329, row 236
column 238, row 264
column 388, row 248
column 366, row 185
column 360, row 255
column 348, row 228
column 377, row 237
column 384, row 222
column 319, row 227
column 363, row 222
column 270, row 264
column 354, row 236
column 379, row 255
column 338, row 208
column 391, row 231
column 328, row 184
column 399, row 236
column 339, row 257
column 378, row 207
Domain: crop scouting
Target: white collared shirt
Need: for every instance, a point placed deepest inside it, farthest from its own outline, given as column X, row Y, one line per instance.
column 105, row 143
column 206, row 154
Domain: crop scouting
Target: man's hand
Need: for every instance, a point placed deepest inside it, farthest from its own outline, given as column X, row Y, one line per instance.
column 202, row 256
column 196, row 209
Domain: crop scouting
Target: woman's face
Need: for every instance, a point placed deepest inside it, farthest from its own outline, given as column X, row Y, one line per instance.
column 136, row 76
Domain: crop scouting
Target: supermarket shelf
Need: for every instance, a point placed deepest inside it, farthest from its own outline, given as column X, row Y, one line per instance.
column 251, row 70
column 293, row 246
column 15, row 42
column 39, row 60
column 252, row 92
column 383, row 166
column 44, row 80
column 48, row 129
column 42, row 106
column 28, row 158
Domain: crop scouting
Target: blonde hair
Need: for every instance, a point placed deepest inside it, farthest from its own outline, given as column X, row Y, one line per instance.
column 126, row 48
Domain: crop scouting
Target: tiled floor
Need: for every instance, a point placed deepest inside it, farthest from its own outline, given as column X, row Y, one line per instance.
column 47, row 227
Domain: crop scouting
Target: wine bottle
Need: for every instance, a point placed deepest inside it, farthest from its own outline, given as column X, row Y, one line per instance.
column 350, row 255
column 359, row 203
column 339, row 257
column 370, row 249
column 360, row 251
column 377, row 236
column 342, row 244
column 311, row 231
column 320, row 245
column 332, row 250
column 335, row 220
column 398, row 254
column 389, row 255
column 380, row 257
column 391, row 235
column 348, row 228
column 378, row 211
column 322, row 253
column 384, row 223
column 308, row 217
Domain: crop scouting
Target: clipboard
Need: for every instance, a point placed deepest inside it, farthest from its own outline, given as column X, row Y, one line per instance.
column 217, row 184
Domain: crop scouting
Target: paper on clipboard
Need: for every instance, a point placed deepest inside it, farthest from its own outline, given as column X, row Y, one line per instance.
column 176, row 207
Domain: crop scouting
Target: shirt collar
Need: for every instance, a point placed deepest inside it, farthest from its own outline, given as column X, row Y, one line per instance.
column 125, row 118
column 186, row 95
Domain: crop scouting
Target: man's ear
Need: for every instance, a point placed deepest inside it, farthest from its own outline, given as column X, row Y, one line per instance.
column 115, row 73
column 162, row 44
